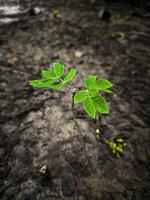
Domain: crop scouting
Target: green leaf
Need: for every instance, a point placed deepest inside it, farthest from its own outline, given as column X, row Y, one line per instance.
column 100, row 104
column 47, row 74
column 120, row 140
column 70, row 75
column 108, row 91
column 41, row 83
column 57, row 86
column 119, row 149
column 80, row 96
column 90, row 82
column 92, row 91
column 103, row 84
column 89, row 107
column 58, row 69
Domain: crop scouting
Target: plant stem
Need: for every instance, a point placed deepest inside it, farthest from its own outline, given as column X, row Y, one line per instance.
column 68, row 86
column 97, row 126
column 73, row 90
column 74, row 114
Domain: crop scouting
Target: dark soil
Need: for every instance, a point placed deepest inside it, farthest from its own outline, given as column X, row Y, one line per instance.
column 37, row 127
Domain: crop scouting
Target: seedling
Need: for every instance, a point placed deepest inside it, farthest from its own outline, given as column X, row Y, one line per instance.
column 91, row 99
column 117, row 146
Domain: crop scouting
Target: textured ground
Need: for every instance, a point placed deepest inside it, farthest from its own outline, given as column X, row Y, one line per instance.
column 37, row 127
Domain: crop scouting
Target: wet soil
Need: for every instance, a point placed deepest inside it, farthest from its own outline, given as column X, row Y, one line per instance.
column 37, row 127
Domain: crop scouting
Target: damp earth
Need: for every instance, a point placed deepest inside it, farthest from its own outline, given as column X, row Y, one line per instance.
column 38, row 134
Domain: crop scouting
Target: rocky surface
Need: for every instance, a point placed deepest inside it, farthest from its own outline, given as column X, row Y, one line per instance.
column 37, row 128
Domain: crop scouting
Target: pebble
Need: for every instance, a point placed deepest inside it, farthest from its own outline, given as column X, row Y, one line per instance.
column 78, row 54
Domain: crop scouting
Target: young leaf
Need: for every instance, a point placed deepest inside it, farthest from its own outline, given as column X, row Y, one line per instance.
column 47, row 74
column 100, row 104
column 90, row 82
column 58, row 69
column 103, row 84
column 92, row 91
column 70, row 75
column 80, row 96
column 120, row 140
column 119, row 149
column 57, row 86
column 89, row 107
column 41, row 83
column 108, row 91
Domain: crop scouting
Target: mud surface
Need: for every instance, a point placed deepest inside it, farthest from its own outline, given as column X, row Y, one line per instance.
column 36, row 125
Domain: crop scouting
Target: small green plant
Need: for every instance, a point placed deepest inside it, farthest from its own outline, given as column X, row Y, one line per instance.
column 91, row 99
column 117, row 146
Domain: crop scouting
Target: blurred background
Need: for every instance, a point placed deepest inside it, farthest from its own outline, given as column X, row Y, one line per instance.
column 42, row 154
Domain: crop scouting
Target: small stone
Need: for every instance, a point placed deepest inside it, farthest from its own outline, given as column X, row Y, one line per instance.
column 43, row 170
column 37, row 10
column 78, row 54
column 11, row 58
column 38, row 54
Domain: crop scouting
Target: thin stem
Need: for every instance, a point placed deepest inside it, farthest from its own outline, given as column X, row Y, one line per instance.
column 74, row 114
column 97, row 126
column 73, row 90
column 68, row 86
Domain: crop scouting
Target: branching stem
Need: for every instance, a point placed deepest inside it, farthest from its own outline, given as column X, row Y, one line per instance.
column 68, row 86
